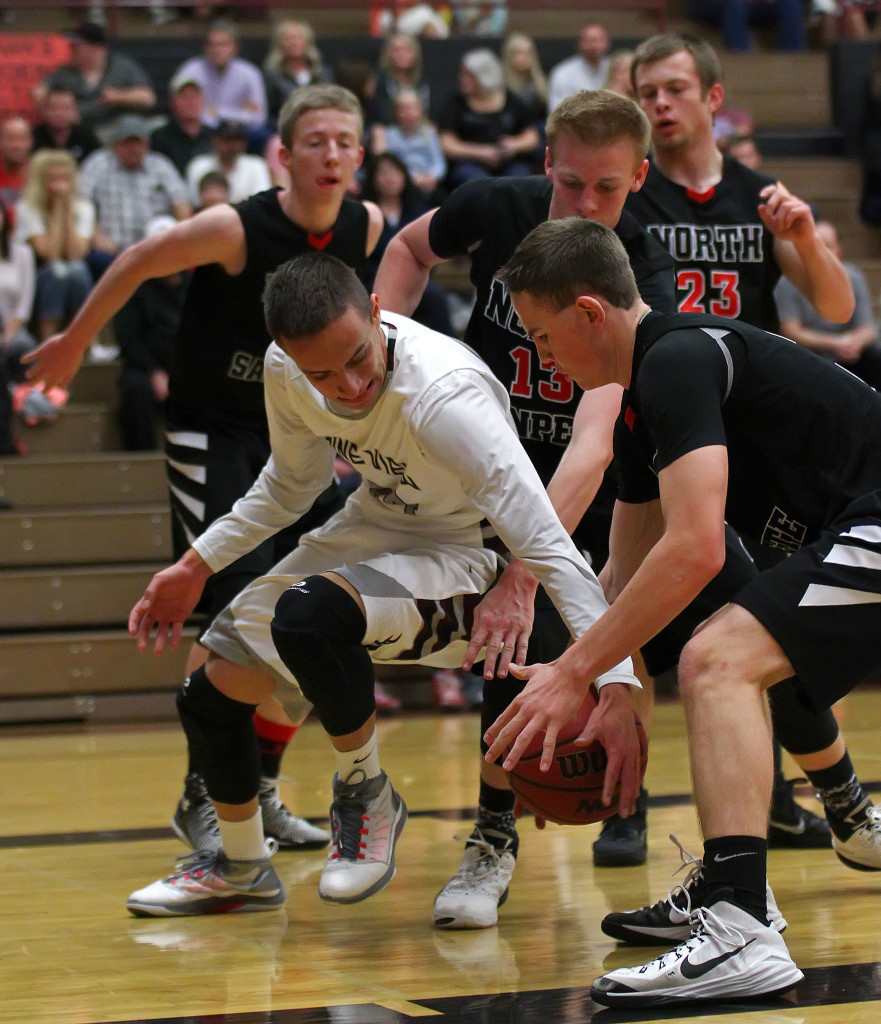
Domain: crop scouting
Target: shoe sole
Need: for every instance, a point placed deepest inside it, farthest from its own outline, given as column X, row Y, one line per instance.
column 631, row 999
column 452, row 924
column 380, row 883
column 309, row 844
column 855, row 865
column 203, row 908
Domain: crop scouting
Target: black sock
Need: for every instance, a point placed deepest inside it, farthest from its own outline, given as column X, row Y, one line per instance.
column 495, row 814
column 844, row 801
column 739, row 863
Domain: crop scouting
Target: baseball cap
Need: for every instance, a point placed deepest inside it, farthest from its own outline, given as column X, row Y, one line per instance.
column 229, row 129
column 90, row 32
column 182, row 79
column 129, row 126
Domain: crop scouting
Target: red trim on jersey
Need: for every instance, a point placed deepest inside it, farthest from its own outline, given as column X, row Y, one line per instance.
column 275, row 731
column 629, row 416
column 701, row 197
column 320, row 241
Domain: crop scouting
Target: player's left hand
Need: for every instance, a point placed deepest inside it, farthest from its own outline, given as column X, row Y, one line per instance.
column 786, row 216
column 613, row 723
column 168, row 602
column 549, row 699
column 503, row 622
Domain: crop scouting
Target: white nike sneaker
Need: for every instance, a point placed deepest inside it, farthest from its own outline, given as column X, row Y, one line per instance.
column 862, row 850
column 669, row 920
column 730, row 955
column 367, row 816
column 472, row 897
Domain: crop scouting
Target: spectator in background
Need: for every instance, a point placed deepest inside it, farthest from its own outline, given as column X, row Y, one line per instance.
column 744, row 149
column 400, row 68
column 16, row 145
column 485, row 130
column 245, row 174
column 105, row 83
column 480, row 17
column 586, row 70
column 60, row 126
column 129, row 186
column 145, row 329
column 734, row 18
column 232, row 88
column 183, row 137
column 618, row 79
column 388, row 184
column 415, row 141
column 852, row 344
column 58, row 224
column 293, row 60
column 17, row 284
column 213, row 190
column 524, row 76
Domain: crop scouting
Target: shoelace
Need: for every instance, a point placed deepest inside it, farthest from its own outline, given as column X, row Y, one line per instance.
column 695, row 869
column 873, row 820
column 705, row 925
column 488, row 856
column 194, row 865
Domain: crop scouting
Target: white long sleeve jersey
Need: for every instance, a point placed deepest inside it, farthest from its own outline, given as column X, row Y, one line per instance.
column 439, row 457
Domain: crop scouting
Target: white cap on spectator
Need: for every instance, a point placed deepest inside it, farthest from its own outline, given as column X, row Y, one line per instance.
column 159, row 224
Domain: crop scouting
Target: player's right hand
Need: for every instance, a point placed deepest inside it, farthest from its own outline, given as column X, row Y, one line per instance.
column 168, row 602
column 55, row 362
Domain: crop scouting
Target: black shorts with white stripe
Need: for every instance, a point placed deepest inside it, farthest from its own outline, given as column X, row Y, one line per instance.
column 822, row 604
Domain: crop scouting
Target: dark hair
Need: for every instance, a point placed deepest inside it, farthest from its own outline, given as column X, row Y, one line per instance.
column 656, row 48
column 562, row 259
column 310, row 292
column 210, row 178
column 410, row 194
column 4, row 231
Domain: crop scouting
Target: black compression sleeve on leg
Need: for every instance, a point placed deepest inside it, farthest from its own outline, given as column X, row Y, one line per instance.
column 220, row 733
column 318, row 631
column 497, row 695
column 799, row 729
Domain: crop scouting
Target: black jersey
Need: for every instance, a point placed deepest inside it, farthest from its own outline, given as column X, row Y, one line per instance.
column 803, row 434
column 217, row 373
column 487, row 219
column 724, row 254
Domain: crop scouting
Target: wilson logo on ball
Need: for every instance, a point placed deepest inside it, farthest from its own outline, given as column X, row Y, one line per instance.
column 582, row 763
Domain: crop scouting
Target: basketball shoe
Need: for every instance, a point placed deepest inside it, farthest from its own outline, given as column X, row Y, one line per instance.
column 195, row 820
column 211, row 883
column 730, row 954
column 669, row 920
column 366, row 816
column 289, row 831
column 472, row 897
column 790, row 825
column 623, row 842
column 862, row 849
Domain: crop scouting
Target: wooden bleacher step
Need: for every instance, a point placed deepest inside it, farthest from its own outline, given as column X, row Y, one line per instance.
column 45, row 481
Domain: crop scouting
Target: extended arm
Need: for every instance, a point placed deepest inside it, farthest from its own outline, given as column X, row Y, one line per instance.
column 215, row 236
column 404, row 268
column 689, row 553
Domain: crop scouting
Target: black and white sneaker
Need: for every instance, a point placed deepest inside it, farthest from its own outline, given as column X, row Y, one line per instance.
column 669, row 920
column 623, row 842
column 791, row 826
column 729, row 955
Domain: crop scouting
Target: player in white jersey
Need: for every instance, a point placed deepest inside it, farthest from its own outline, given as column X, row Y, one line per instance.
column 446, row 488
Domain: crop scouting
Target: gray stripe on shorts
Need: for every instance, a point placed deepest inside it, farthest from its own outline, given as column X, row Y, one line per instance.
column 370, row 582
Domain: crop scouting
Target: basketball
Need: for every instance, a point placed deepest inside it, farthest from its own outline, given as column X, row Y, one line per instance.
column 570, row 792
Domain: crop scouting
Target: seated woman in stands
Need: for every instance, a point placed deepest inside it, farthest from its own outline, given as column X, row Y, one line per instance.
column 400, row 68
column 58, row 225
column 485, row 130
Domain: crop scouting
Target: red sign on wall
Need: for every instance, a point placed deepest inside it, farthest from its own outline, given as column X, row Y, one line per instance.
column 26, row 58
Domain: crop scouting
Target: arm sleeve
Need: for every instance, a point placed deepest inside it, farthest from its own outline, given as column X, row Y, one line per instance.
column 299, row 469
column 460, row 221
column 501, row 481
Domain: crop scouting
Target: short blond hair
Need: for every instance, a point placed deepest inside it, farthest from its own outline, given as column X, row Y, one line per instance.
column 316, row 97
column 598, row 117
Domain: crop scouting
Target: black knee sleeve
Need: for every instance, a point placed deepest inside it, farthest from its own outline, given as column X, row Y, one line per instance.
column 223, row 743
column 497, row 695
column 798, row 728
column 318, row 631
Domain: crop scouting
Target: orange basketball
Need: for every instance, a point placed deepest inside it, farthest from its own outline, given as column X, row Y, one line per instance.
column 570, row 792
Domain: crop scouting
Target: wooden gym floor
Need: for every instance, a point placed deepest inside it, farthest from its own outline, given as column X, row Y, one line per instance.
column 86, row 812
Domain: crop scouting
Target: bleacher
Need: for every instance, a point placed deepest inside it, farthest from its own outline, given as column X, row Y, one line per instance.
column 89, row 524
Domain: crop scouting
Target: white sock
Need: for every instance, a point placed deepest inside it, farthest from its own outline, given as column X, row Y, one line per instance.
column 243, row 840
column 363, row 759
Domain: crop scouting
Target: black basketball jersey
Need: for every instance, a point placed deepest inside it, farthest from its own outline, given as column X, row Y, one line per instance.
column 217, row 373
column 724, row 254
column 487, row 219
column 803, row 434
